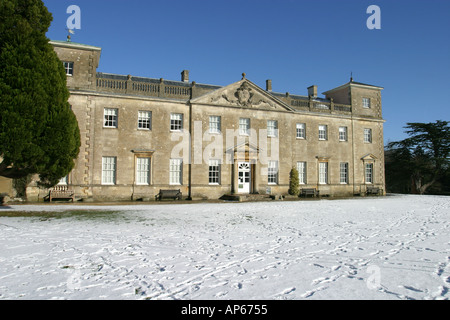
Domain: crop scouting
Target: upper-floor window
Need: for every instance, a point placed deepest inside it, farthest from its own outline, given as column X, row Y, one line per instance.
column 272, row 128
column 342, row 133
column 323, row 134
column 110, row 118
column 366, row 102
column 368, row 135
column 145, row 120
column 68, row 66
column 214, row 124
column 244, row 126
column 301, row 131
column 176, row 121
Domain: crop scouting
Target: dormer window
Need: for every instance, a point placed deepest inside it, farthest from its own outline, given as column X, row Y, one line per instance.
column 68, row 66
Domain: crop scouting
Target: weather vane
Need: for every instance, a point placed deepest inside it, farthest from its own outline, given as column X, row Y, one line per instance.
column 70, row 31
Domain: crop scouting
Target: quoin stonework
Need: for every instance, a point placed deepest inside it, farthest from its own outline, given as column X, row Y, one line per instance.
column 141, row 135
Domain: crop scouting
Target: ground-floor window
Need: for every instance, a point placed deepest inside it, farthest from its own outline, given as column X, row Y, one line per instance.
column 323, row 172
column 369, row 172
column 214, row 172
column 175, row 171
column 301, row 168
column 272, row 172
column 343, row 174
column 143, row 171
column 109, row 166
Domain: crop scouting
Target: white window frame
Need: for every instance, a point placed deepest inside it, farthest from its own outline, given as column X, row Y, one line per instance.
column 215, row 124
column 343, row 134
column 301, row 131
column 323, row 132
column 214, row 172
column 343, row 173
column 272, row 128
column 176, row 171
column 368, row 172
column 366, row 103
column 176, row 122
column 144, row 120
column 244, row 126
column 109, row 170
column 110, row 117
column 68, row 67
column 367, row 135
column 143, row 165
column 272, row 172
column 323, row 172
column 301, row 168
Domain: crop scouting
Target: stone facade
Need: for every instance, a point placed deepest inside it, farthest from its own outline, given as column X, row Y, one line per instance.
column 140, row 135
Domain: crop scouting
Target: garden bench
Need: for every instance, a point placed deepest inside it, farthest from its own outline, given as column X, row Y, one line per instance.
column 169, row 194
column 372, row 190
column 309, row 192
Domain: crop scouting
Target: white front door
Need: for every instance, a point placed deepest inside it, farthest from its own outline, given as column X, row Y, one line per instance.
column 244, row 177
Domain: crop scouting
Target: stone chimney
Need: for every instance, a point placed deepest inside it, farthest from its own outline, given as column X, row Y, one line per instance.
column 268, row 85
column 185, row 76
column 312, row 91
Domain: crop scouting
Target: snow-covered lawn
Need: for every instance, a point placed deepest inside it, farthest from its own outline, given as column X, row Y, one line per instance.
column 396, row 247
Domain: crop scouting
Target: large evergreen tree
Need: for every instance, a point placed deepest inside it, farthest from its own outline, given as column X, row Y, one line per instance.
column 420, row 161
column 38, row 131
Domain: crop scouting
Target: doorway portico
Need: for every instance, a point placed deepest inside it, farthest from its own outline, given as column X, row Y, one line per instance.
column 245, row 176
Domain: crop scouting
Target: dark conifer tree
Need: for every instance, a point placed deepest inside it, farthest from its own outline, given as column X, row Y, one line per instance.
column 39, row 133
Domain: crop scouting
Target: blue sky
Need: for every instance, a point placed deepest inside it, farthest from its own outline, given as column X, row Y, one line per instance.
column 295, row 43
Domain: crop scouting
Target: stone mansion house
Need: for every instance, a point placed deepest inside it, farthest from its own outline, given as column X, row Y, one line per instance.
column 141, row 135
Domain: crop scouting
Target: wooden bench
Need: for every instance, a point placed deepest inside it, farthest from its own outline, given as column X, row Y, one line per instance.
column 169, row 194
column 309, row 192
column 372, row 190
column 61, row 192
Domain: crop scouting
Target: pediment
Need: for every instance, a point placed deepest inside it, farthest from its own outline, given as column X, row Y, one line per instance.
column 242, row 94
column 369, row 157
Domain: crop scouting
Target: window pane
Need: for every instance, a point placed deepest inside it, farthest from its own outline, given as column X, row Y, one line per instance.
column 301, row 130
column 323, row 172
column 344, row 172
column 369, row 172
column 176, row 121
column 175, row 169
column 143, row 171
column 214, row 124
column 68, row 66
column 145, row 120
column 322, row 132
column 214, row 172
column 342, row 133
column 368, row 135
column 110, row 118
column 244, row 126
column 272, row 128
column 273, row 172
column 301, row 168
column 108, row 170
